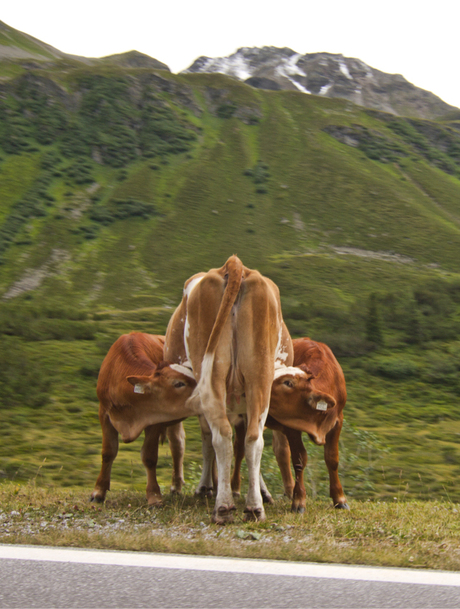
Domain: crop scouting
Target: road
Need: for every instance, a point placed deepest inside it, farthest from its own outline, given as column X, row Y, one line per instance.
column 33, row 576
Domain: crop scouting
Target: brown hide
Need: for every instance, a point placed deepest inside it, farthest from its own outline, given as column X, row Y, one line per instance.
column 137, row 391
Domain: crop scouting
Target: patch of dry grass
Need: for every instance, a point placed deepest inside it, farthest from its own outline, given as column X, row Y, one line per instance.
column 399, row 534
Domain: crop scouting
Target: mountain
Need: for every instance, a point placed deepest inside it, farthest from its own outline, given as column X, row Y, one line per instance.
column 18, row 46
column 118, row 182
column 326, row 75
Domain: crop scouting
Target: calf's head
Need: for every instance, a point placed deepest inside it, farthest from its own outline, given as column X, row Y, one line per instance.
column 296, row 402
column 170, row 384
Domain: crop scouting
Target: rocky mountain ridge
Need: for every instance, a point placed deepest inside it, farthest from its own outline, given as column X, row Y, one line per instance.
column 327, row 75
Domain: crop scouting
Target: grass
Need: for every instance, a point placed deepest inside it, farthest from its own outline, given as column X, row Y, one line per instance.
column 397, row 534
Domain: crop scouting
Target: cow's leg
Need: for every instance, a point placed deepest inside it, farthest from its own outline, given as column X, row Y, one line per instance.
column 222, row 443
column 331, row 456
column 205, row 485
column 238, row 453
column 266, row 495
column 299, row 462
column 282, row 453
column 213, row 400
column 109, row 452
column 176, row 438
column 149, row 455
column 257, row 399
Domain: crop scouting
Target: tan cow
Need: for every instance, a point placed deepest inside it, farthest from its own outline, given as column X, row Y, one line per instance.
column 229, row 329
column 138, row 392
column 308, row 397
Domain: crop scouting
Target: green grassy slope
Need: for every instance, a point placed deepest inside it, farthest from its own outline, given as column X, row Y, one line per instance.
column 116, row 184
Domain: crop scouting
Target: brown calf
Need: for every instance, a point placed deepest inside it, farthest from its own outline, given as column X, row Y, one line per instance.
column 138, row 392
column 310, row 397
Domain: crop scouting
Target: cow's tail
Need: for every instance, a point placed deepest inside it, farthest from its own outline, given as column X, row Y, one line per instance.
column 233, row 270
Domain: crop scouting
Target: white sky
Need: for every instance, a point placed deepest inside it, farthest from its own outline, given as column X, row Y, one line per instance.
column 417, row 39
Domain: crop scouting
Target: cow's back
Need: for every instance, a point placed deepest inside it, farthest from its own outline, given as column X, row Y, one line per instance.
column 322, row 363
column 136, row 353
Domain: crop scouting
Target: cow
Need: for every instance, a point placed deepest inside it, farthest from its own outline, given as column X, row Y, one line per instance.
column 137, row 392
column 229, row 329
column 308, row 397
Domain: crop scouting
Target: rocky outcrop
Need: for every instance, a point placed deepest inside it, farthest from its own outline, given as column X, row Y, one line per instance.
column 327, row 75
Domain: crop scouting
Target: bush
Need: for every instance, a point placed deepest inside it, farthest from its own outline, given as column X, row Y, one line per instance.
column 394, row 368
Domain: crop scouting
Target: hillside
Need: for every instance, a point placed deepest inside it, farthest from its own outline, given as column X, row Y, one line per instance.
column 118, row 182
column 327, row 75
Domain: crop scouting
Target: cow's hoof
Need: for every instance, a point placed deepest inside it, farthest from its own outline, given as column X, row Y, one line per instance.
column 257, row 514
column 298, row 509
column 175, row 491
column 267, row 498
column 204, row 492
column 97, row 497
column 236, row 494
column 342, row 506
column 223, row 514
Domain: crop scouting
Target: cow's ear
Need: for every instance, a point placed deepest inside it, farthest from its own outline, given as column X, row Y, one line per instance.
column 142, row 384
column 307, row 371
column 321, row 401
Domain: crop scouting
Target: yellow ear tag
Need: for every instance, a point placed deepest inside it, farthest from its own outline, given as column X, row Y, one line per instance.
column 138, row 388
column 321, row 405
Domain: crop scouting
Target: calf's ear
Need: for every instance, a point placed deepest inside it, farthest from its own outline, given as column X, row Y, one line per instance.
column 142, row 384
column 322, row 401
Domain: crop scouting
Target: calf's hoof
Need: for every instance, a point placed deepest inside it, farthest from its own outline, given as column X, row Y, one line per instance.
column 223, row 514
column 257, row 514
column 154, row 501
column 97, row 497
column 298, row 509
column 236, row 494
column 204, row 492
column 342, row 506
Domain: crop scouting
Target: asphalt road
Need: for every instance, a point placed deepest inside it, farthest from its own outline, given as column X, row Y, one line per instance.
column 32, row 576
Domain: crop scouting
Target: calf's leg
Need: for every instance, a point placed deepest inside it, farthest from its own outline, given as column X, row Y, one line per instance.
column 331, row 457
column 176, row 438
column 282, row 453
column 149, row 455
column 299, row 462
column 109, row 452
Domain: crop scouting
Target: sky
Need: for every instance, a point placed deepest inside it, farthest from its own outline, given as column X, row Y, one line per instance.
column 417, row 39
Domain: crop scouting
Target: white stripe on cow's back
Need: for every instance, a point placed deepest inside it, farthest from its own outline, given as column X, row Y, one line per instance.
column 187, row 291
column 231, row 565
column 192, row 285
column 281, row 370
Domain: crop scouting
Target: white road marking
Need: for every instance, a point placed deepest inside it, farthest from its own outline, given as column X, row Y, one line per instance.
column 231, row 565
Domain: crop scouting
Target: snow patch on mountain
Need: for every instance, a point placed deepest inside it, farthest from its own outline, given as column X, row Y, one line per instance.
column 344, row 69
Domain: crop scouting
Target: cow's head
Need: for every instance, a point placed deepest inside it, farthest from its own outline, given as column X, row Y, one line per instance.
column 297, row 403
column 171, row 383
